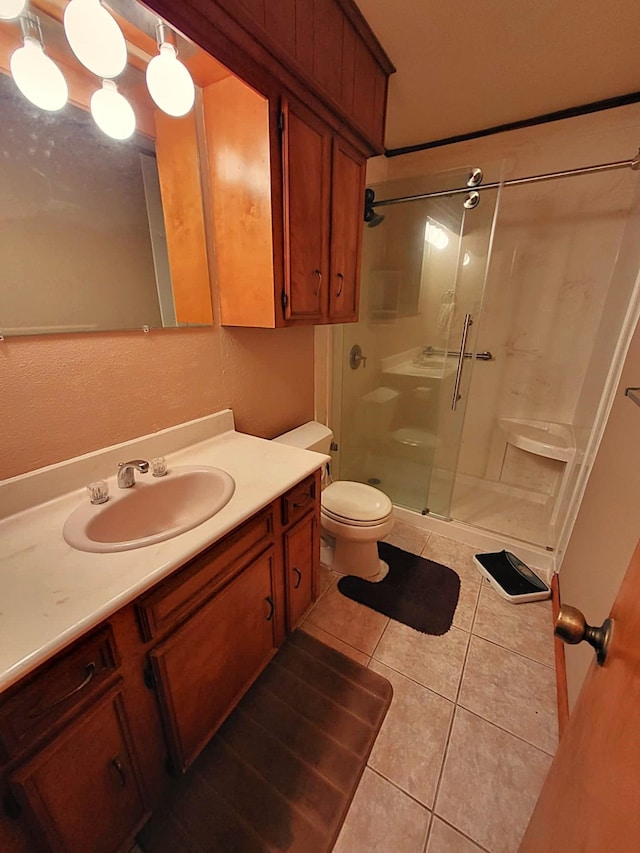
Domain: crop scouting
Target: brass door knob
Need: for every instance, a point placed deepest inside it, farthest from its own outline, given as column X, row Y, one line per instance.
column 572, row 628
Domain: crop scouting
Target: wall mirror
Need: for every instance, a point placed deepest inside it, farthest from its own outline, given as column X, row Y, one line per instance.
column 101, row 233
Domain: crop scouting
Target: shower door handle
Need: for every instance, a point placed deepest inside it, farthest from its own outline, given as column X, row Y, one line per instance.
column 463, row 347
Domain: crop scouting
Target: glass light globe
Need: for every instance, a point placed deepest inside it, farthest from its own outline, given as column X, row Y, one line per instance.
column 95, row 38
column 112, row 112
column 10, row 9
column 169, row 82
column 38, row 77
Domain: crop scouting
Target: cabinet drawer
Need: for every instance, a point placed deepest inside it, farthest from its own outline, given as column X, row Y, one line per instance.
column 298, row 500
column 56, row 692
column 190, row 587
column 82, row 792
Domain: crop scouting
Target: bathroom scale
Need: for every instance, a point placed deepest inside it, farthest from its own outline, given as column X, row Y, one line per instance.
column 511, row 578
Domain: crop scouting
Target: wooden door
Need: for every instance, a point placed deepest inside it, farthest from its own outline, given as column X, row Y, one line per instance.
column 590, row 801
column 204, row 667
column 300, row 564
column 347, row 211
column 83, row 789
column 306, row 153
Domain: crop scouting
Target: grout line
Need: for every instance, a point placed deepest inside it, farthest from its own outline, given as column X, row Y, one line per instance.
column 502, row 729
column 413, row 680
column 351, row 646
column 453, row 716
column 398, row 788
column 512, row 651
column 463, row 834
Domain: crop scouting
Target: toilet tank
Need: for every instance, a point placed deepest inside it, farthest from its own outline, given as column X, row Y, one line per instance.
column 309, row 436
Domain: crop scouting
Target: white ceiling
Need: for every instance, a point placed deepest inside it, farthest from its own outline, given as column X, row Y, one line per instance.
column 464, row 66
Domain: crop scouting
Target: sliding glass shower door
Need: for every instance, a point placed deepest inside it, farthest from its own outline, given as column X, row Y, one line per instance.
column 402, row 372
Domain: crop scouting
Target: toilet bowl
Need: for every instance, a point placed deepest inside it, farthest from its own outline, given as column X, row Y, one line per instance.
column 355, row 514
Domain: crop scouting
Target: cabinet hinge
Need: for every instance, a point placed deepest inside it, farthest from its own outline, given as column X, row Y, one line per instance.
column 281, row 121
column 149, row 678
column 285, row 300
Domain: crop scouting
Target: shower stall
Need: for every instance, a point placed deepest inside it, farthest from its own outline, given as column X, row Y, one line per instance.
column 491, row 322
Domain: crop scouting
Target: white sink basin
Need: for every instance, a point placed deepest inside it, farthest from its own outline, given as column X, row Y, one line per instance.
column 152, row 510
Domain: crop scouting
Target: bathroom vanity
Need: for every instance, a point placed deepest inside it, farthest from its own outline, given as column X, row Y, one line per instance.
column 91, row 736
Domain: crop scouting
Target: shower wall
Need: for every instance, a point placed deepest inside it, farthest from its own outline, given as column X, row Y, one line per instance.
column 552, row 262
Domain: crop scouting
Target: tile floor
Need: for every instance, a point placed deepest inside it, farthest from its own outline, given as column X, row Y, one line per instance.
column 468, row 739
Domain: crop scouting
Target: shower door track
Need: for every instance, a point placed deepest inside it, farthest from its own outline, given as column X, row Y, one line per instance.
column 512, row 182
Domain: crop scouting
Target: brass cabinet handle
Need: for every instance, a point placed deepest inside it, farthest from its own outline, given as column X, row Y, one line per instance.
column 269, row 601
column 298, row 577
column 339, row 290
column 90, row 671
column 120, row 771
column 318, row 273
column 572, row 628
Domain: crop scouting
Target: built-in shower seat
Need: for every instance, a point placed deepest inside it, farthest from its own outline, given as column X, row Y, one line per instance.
column 549, row 439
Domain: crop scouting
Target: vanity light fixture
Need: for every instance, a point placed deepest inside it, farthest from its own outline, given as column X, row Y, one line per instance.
column 112, row 112
column 36, row 74
column 168, row 80
column 95, row 38
column 10, row 9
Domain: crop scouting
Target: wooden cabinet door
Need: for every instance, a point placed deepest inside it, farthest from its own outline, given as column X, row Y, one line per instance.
column 301, row 559
column 83, row 790
column 347, row 201
column 306, row 152
column 204, row 667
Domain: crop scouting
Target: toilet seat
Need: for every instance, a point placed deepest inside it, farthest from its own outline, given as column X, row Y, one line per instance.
column 355, row 504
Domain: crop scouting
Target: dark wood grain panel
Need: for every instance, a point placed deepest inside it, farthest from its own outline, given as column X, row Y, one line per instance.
column 327, row 47
column 204, row 667
column 83, row 790
column 280, row 23
column 307, row 170
column 300, row 565
column 346, row 231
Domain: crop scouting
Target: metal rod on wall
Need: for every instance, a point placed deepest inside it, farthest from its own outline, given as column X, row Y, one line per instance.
column 531, row 179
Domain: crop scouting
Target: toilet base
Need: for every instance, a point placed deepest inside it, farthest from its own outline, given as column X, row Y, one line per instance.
column 359, row 559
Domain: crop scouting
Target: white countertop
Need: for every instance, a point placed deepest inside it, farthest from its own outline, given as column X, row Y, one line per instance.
column 51, row 594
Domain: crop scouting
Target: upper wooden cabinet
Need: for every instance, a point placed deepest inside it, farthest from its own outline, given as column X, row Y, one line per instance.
column 330, row 47
column 287, row 135
column 323, row 199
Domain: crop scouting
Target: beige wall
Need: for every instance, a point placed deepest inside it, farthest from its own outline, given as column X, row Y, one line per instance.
column 67, row 395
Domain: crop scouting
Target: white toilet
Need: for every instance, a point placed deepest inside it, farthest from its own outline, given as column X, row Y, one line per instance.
column 355, row 514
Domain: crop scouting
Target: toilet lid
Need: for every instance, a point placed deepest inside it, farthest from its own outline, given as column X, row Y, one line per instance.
column 355, row 502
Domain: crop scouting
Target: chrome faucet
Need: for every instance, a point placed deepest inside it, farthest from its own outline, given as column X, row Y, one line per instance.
column 126, row 477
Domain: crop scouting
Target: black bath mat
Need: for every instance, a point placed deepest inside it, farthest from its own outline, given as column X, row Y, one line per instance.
column 418, row 592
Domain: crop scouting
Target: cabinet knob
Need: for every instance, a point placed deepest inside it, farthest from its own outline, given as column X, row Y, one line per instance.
column 298, row 574
column 572, row 628
column 341, row 285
